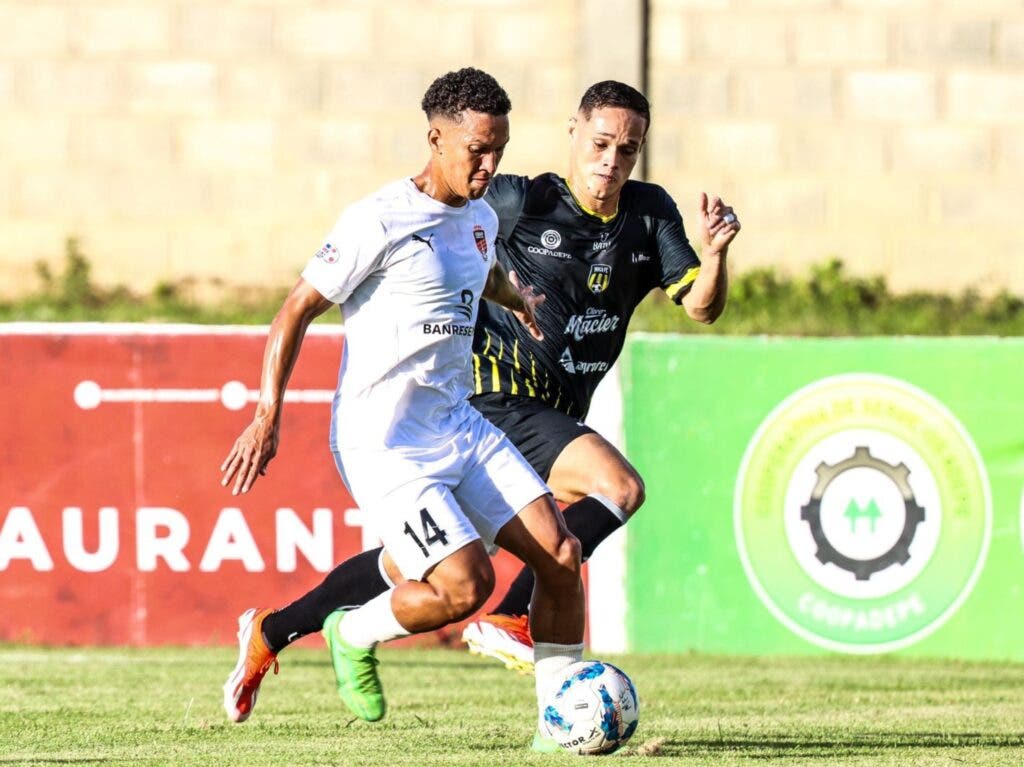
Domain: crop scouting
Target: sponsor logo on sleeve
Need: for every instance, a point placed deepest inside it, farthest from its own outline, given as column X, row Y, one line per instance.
column 327, row 253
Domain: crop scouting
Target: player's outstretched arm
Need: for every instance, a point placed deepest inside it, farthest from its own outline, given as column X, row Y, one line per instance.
column 257, row 444
column 503, row 288
column 718, row 228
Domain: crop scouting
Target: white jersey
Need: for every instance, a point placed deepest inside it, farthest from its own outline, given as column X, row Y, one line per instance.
column 408, row 272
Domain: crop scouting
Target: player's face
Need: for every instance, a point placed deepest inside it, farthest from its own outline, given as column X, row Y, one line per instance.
column 604, row 148
column 468, row 152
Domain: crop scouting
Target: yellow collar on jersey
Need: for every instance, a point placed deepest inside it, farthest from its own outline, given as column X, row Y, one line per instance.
column 603, row 219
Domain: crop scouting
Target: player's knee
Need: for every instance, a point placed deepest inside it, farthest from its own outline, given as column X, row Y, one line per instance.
column 564, row 562
column 625, row 489
column 465, row 598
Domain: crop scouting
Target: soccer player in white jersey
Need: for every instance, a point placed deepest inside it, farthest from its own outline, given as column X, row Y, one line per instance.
column 408, row 265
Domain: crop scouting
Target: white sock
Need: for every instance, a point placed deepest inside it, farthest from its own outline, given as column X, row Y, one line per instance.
column 549, row 661
column 372, row 623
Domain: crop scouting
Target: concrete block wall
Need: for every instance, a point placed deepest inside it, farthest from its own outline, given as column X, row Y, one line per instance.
column 187, row 138
column 884, row 132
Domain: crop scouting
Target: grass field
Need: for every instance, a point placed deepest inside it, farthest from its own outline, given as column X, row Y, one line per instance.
column 162, row 707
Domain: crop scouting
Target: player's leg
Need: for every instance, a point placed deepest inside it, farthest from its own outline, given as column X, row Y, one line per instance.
column 352, row 583
column 602, row 489
column 538, row 536
column 448, row 576
column 509, row 504
column 453, row 589
column 583, row 470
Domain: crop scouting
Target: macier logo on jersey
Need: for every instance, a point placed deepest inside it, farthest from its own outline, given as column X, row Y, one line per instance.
column 593, row 322
column 862, row 513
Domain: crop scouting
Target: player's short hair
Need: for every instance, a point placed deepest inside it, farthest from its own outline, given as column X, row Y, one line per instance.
column 612, row 93
column 468, row 88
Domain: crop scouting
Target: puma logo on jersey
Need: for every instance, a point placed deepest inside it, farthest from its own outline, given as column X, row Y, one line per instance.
column 424, row 241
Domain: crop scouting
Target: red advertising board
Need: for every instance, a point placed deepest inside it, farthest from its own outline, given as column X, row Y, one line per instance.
column 114, row 529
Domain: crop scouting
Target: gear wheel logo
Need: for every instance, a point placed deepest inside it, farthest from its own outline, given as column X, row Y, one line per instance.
column 827, row 553
column 862, row 513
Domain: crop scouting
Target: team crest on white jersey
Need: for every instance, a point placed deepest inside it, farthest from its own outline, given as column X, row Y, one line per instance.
column 327, row 253
column 600, row 277
column 481, row 240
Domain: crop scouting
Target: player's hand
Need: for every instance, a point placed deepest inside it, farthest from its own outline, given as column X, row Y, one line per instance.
column 249, row 456
column 719, row 225
column 531, row 300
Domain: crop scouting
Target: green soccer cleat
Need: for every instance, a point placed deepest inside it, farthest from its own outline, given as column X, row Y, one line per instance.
column 355, row 671
column 544, row 744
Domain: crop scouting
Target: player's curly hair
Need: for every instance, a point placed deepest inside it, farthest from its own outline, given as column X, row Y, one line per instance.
column 453, row 93
column 612, row 93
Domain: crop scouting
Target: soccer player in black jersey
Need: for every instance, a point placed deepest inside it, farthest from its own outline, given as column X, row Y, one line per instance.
column 595, row 243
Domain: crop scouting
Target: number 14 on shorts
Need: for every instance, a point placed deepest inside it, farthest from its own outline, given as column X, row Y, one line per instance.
column 431, row 533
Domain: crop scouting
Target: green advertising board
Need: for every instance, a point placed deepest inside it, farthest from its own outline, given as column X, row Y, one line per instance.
column 826, row 495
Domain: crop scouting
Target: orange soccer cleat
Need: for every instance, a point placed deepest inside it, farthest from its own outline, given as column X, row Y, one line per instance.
column 254, row 661
column 503, row 637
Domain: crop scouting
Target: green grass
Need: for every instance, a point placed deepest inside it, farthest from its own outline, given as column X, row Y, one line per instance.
column 827, row 301
column 162, row 707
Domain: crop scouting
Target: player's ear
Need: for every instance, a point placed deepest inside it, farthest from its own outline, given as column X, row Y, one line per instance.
column 435, row 140
column 572, row 127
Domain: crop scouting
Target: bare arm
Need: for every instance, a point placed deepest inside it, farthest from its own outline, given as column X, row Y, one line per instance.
column 503, row 288
column 257, row 444
column 719, row 226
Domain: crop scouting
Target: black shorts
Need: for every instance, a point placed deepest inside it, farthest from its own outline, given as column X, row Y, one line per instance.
column 537, row 430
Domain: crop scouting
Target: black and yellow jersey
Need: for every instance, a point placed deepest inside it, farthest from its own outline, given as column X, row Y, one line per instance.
column 594, row 272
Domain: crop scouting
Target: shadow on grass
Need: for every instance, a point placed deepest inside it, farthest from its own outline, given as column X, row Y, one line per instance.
column 42, row 761
column 774, row 746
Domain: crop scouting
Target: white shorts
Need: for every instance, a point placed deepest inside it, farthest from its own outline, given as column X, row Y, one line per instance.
column 426, row 503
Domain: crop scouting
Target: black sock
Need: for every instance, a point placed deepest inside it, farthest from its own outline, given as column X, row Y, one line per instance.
column 352, row 583
column 590, row 521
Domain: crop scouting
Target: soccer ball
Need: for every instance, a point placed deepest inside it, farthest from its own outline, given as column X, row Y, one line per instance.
column 593, row 710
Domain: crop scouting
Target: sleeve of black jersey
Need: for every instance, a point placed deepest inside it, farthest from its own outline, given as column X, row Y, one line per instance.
column 679, row 263
column 506, row 195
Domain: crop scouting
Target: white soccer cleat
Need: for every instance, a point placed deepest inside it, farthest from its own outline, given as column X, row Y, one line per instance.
column 505, row 638
column 254, row 660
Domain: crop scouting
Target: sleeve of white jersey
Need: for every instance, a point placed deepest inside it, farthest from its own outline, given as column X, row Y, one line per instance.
column 354, row 249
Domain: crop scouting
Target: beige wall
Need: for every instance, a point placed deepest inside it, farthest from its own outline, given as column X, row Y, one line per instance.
column 889, row 133
column 220, row 140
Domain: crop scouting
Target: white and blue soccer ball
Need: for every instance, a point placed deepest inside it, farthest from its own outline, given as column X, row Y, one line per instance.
column 593, row 710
